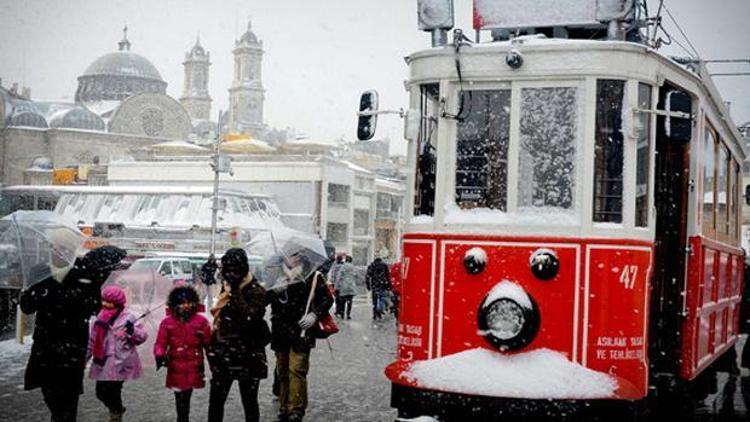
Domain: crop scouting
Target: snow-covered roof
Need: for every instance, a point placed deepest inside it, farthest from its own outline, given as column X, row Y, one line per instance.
column 146, row 190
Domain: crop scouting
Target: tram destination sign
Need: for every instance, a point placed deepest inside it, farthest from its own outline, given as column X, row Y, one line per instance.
column 511, row 14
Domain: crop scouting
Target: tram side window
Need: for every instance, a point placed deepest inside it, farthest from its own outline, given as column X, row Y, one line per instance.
column 608, row 152
column 482, row 150
column 722, row 222
column 709, row 165
column 547, row 156
column 732, row 196
column 424, row 197
column 642, row 165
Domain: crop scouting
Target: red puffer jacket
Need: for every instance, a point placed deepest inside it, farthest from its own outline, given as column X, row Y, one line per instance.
column 183, row 343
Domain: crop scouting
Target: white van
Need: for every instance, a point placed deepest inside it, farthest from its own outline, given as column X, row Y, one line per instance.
column 172, row 268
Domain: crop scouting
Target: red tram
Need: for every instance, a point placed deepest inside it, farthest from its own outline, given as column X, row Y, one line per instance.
column 574, row 230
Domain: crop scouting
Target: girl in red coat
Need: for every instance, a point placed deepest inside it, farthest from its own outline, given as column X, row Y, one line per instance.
column 183, row 336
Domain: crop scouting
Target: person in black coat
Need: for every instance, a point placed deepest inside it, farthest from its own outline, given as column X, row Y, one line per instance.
column 240, row 335
column 291, row 338
column 61, row 332
column 378, row 282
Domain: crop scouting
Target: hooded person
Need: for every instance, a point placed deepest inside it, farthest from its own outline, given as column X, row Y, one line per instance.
column 240, row 334
column 291, row 340
column 114, row 335
column 61, row 330
column 180, row 344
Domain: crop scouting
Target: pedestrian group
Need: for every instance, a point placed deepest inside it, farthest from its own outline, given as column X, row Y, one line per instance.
column 78, row 320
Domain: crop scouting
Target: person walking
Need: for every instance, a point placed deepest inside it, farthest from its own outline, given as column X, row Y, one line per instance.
column 180, row 343
column 346, row 286
column 291, row 339
column 61, row 330
column 333, row 279
column 240, row 335
column 378, row 283
column 113, row 337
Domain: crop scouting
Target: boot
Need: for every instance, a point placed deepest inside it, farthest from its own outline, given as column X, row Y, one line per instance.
column 116, row 416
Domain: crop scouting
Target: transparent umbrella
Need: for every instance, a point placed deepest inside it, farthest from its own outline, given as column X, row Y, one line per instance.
column 289, row 256
column 146, row 291
column 35, row 245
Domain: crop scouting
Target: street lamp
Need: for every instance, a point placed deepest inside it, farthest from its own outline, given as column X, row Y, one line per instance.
column 220, row 164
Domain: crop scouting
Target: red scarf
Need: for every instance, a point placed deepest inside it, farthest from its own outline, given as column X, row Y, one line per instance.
column 104, row 321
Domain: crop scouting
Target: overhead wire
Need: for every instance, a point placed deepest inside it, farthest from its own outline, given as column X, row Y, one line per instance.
column 679, row 28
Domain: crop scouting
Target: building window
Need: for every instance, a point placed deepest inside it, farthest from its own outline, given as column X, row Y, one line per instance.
column 361, row 223
column 547, row 153
column 608, row 151
column 336, row 232
column 482, row 150
column 643, row 157
column 424, row 192
column 338, row 195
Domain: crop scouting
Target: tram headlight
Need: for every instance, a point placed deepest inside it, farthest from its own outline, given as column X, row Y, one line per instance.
column 508, row 317
column 505, row 319
column 475, row 260
column 544, row 264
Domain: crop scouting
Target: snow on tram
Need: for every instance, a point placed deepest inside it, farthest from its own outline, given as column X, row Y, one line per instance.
column 575, row 207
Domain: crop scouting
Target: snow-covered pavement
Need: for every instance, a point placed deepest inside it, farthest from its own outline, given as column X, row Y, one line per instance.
column 345, row 384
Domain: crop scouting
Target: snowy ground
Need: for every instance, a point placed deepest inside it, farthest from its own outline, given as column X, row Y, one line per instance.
column 348, row 386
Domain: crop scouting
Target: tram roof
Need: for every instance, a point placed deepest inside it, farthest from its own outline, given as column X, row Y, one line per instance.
column 695, row 80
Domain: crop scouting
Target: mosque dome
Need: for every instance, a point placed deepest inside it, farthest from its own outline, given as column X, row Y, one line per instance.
column 123, row 63
column 119, row 75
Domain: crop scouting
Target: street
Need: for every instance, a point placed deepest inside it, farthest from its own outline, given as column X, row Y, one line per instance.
column 346, row 382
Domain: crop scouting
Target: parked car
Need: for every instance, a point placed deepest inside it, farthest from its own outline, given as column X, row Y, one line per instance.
column 172, row 268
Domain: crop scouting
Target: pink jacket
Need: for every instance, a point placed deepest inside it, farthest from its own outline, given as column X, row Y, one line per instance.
column 122, row 361
column 183, row 343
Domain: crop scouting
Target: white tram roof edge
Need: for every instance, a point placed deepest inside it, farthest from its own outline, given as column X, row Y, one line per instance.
column 557, row 59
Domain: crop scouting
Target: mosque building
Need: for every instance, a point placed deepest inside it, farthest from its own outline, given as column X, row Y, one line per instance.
column 121, row 106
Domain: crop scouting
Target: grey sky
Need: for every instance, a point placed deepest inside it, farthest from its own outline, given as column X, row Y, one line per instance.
column 319, row 54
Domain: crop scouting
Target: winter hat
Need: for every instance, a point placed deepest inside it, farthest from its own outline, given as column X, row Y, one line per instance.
column 180, row 294
column 237, row 259
column 114, row 294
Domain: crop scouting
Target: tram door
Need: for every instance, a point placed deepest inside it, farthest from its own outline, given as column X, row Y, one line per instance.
column 672, row 167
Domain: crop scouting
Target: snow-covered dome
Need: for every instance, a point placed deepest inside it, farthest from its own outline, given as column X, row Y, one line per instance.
column 28, row 118
column 249, row 36
column 117, row 76
column 123, row 63
column 77, row 118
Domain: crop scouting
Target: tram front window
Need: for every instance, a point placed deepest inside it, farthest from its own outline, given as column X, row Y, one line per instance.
column 424, row 197
column 547, row 155
column 482, row 150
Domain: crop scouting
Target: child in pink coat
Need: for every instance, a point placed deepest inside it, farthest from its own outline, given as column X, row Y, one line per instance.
column 183, row 336
column 113, row 337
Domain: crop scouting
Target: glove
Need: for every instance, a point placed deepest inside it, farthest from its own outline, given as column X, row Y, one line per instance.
column 308, row 320
column 129, row 328
column 161, row 361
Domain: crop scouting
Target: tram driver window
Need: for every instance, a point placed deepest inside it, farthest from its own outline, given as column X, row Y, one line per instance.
column 608, row 151
column 547, row 155
column 424, row 197
column 482, row 150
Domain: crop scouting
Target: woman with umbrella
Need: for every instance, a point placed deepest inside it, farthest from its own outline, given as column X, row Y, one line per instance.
column 299, row 298
column 63, row 308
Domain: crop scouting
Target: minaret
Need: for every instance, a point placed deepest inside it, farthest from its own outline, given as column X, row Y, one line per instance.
column 246, row 93
column 195, row 96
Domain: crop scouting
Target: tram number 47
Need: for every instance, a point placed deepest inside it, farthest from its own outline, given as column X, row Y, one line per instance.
column 628, row 276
